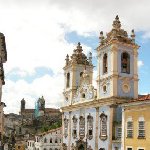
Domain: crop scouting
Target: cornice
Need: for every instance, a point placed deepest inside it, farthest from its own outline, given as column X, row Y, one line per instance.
column 94, row 104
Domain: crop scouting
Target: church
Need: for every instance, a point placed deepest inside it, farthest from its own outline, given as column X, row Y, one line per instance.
column 92, row 118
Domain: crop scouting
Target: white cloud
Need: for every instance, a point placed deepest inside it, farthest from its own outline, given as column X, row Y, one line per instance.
column 140, row 63
column 50, row 87
column 35, row 37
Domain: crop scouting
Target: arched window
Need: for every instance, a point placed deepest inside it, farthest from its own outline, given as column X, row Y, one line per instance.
column 105, row 62
column 129, row 128
column 82, row 127
column 56, row 141
column 74, row 131
column 141, row 126
column 45, row 140
column 90, row 127
column 103, row 126
column 83, row 95
column 125, row 63
column 68, row 80
column 50, row 140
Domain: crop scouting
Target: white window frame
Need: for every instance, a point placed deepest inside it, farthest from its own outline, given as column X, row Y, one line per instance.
column 141, row 148
column 129, row 147
column 129, row 119
column 141, row 119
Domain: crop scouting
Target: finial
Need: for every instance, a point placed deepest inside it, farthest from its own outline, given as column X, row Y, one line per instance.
column 90, row 57
column 67, row 59
column 133, row 36
column 79, row 48
column 117, row 17
column 101, row 38
column 116, row 23
column 79, row 45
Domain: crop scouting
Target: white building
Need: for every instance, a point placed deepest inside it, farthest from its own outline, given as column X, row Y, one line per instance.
column 91, row 118
column 50, row 140
column 31, row 145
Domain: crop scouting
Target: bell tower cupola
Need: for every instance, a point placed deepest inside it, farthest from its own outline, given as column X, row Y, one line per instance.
column 117, row 55
column 73, row 71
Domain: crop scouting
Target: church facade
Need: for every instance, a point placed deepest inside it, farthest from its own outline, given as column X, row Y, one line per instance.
column 91, row 118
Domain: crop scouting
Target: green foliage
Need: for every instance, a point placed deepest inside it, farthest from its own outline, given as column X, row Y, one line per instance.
column 55, row 125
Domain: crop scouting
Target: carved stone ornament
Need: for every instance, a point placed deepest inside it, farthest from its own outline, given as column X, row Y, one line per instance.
column 103, row 127
column 117, row 34
column 81, row 127
column 89, row 127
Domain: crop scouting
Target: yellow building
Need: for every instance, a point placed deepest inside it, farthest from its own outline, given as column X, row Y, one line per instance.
column 136, row 124
column 20, row 146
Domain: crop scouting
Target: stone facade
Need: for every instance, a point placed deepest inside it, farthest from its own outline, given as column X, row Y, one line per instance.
column 3, row 59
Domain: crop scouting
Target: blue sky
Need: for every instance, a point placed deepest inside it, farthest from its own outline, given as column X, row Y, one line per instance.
column 39, row 35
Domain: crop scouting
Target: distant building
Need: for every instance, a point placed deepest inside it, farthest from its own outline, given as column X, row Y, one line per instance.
column 3, row 59
column 136, row 124
column 39, row 114
column 50, row 140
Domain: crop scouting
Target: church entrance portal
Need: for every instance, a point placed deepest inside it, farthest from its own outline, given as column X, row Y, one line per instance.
column 81, row 147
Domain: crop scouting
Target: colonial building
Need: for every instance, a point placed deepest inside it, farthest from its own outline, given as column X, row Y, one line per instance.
column 136, row 124
column 3, row 59
column 50, row 140
column 91, row 118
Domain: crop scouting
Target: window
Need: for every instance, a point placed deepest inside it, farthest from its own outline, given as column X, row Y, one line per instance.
column 105, row 63
column 45, row 140
column 83, row 95
column 129, row 129
column 68, row 80
column 65, row 127
column 141, row 127
column 125, row 63
column 56, row 141
column 90, row 126
column 104, row 89
column 129, row 148
column 82, row 127
column 119, row 131
column 50, row 140
column 103, row 126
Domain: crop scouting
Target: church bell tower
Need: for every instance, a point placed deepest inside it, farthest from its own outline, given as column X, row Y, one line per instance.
column 73, row 71
column 117, row 64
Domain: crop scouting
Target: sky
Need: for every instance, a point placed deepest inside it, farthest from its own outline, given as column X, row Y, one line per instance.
column 40, row 33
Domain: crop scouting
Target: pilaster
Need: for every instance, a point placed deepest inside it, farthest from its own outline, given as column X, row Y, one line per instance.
column 69, row 132
column 96, row 128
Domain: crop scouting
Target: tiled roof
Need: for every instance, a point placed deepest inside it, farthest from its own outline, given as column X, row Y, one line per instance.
column 49, row 131
column 144, row 97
